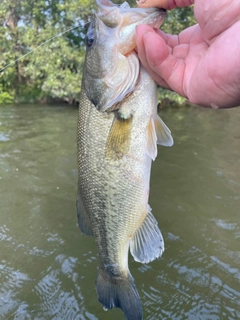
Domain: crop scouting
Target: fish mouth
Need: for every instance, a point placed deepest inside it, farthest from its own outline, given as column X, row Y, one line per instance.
column 114, row 34
column 124, row 21
column 123, row 15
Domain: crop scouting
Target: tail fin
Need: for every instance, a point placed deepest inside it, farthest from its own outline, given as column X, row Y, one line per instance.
column 116, row 292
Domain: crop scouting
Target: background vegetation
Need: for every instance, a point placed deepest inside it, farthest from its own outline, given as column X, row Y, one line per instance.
column 53, row 71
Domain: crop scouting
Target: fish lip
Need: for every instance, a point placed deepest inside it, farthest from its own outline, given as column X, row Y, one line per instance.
column 160, row 16
column 103, row 4
column 105, row 7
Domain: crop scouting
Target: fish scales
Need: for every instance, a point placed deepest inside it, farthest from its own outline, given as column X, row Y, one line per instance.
column 112, row 189
column 118, row 129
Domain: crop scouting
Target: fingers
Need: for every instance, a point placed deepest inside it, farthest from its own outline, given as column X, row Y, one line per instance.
column 170, row 40
column 166, row 4
column 164, row 64
column 153, row 3
column 179, row 3
column 142, row 34
column 157, row 58
column 214, row 17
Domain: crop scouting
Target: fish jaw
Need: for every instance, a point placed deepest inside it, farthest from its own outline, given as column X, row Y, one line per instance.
column 126, row 19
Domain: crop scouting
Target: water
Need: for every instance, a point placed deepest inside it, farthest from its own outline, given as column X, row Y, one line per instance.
column 48, row 268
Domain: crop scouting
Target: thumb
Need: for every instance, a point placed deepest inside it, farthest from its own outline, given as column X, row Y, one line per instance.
column 152, row 51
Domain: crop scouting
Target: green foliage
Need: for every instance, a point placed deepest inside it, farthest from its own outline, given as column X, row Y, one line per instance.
column 52, row 71
column 178, row 19
column 5, row 97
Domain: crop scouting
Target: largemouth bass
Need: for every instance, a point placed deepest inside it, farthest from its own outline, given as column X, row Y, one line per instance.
column 118, row 132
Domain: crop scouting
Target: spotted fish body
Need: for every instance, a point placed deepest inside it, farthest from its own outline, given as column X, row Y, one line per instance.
column 118, row 129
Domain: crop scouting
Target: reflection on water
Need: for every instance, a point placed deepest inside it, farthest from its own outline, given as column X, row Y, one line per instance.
column 48, row 268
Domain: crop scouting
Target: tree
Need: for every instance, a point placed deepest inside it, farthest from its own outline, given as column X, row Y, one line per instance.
column 53, row 71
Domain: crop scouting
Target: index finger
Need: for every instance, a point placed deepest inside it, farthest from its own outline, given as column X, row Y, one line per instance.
column 165, row 4
column 153, row 3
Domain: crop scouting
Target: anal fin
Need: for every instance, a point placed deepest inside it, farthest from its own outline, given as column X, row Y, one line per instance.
column 83, row 217
column 147, row 244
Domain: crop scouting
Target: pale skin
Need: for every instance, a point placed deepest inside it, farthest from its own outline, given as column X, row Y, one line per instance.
column 202, row 63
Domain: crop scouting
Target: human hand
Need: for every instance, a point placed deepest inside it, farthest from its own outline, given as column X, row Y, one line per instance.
column 202, row 63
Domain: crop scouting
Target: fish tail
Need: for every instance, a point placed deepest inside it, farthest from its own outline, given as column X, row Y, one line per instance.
column 119, row 292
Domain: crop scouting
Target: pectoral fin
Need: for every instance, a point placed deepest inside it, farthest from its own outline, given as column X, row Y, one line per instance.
column 147, row 244
column 152, row 140
column 158, row 133
column 118, row 141
column 164, row 136
column 83, row 217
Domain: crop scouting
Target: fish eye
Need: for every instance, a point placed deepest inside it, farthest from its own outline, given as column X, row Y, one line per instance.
column 89, row 41
column 90, row 37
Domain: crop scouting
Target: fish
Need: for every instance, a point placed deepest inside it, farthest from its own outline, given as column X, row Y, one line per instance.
column 118, row 133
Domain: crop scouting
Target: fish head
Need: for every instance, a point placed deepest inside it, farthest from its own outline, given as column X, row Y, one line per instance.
column 111, row 67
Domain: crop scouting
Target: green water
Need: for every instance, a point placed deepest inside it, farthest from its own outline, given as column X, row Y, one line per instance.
column 48, row 268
